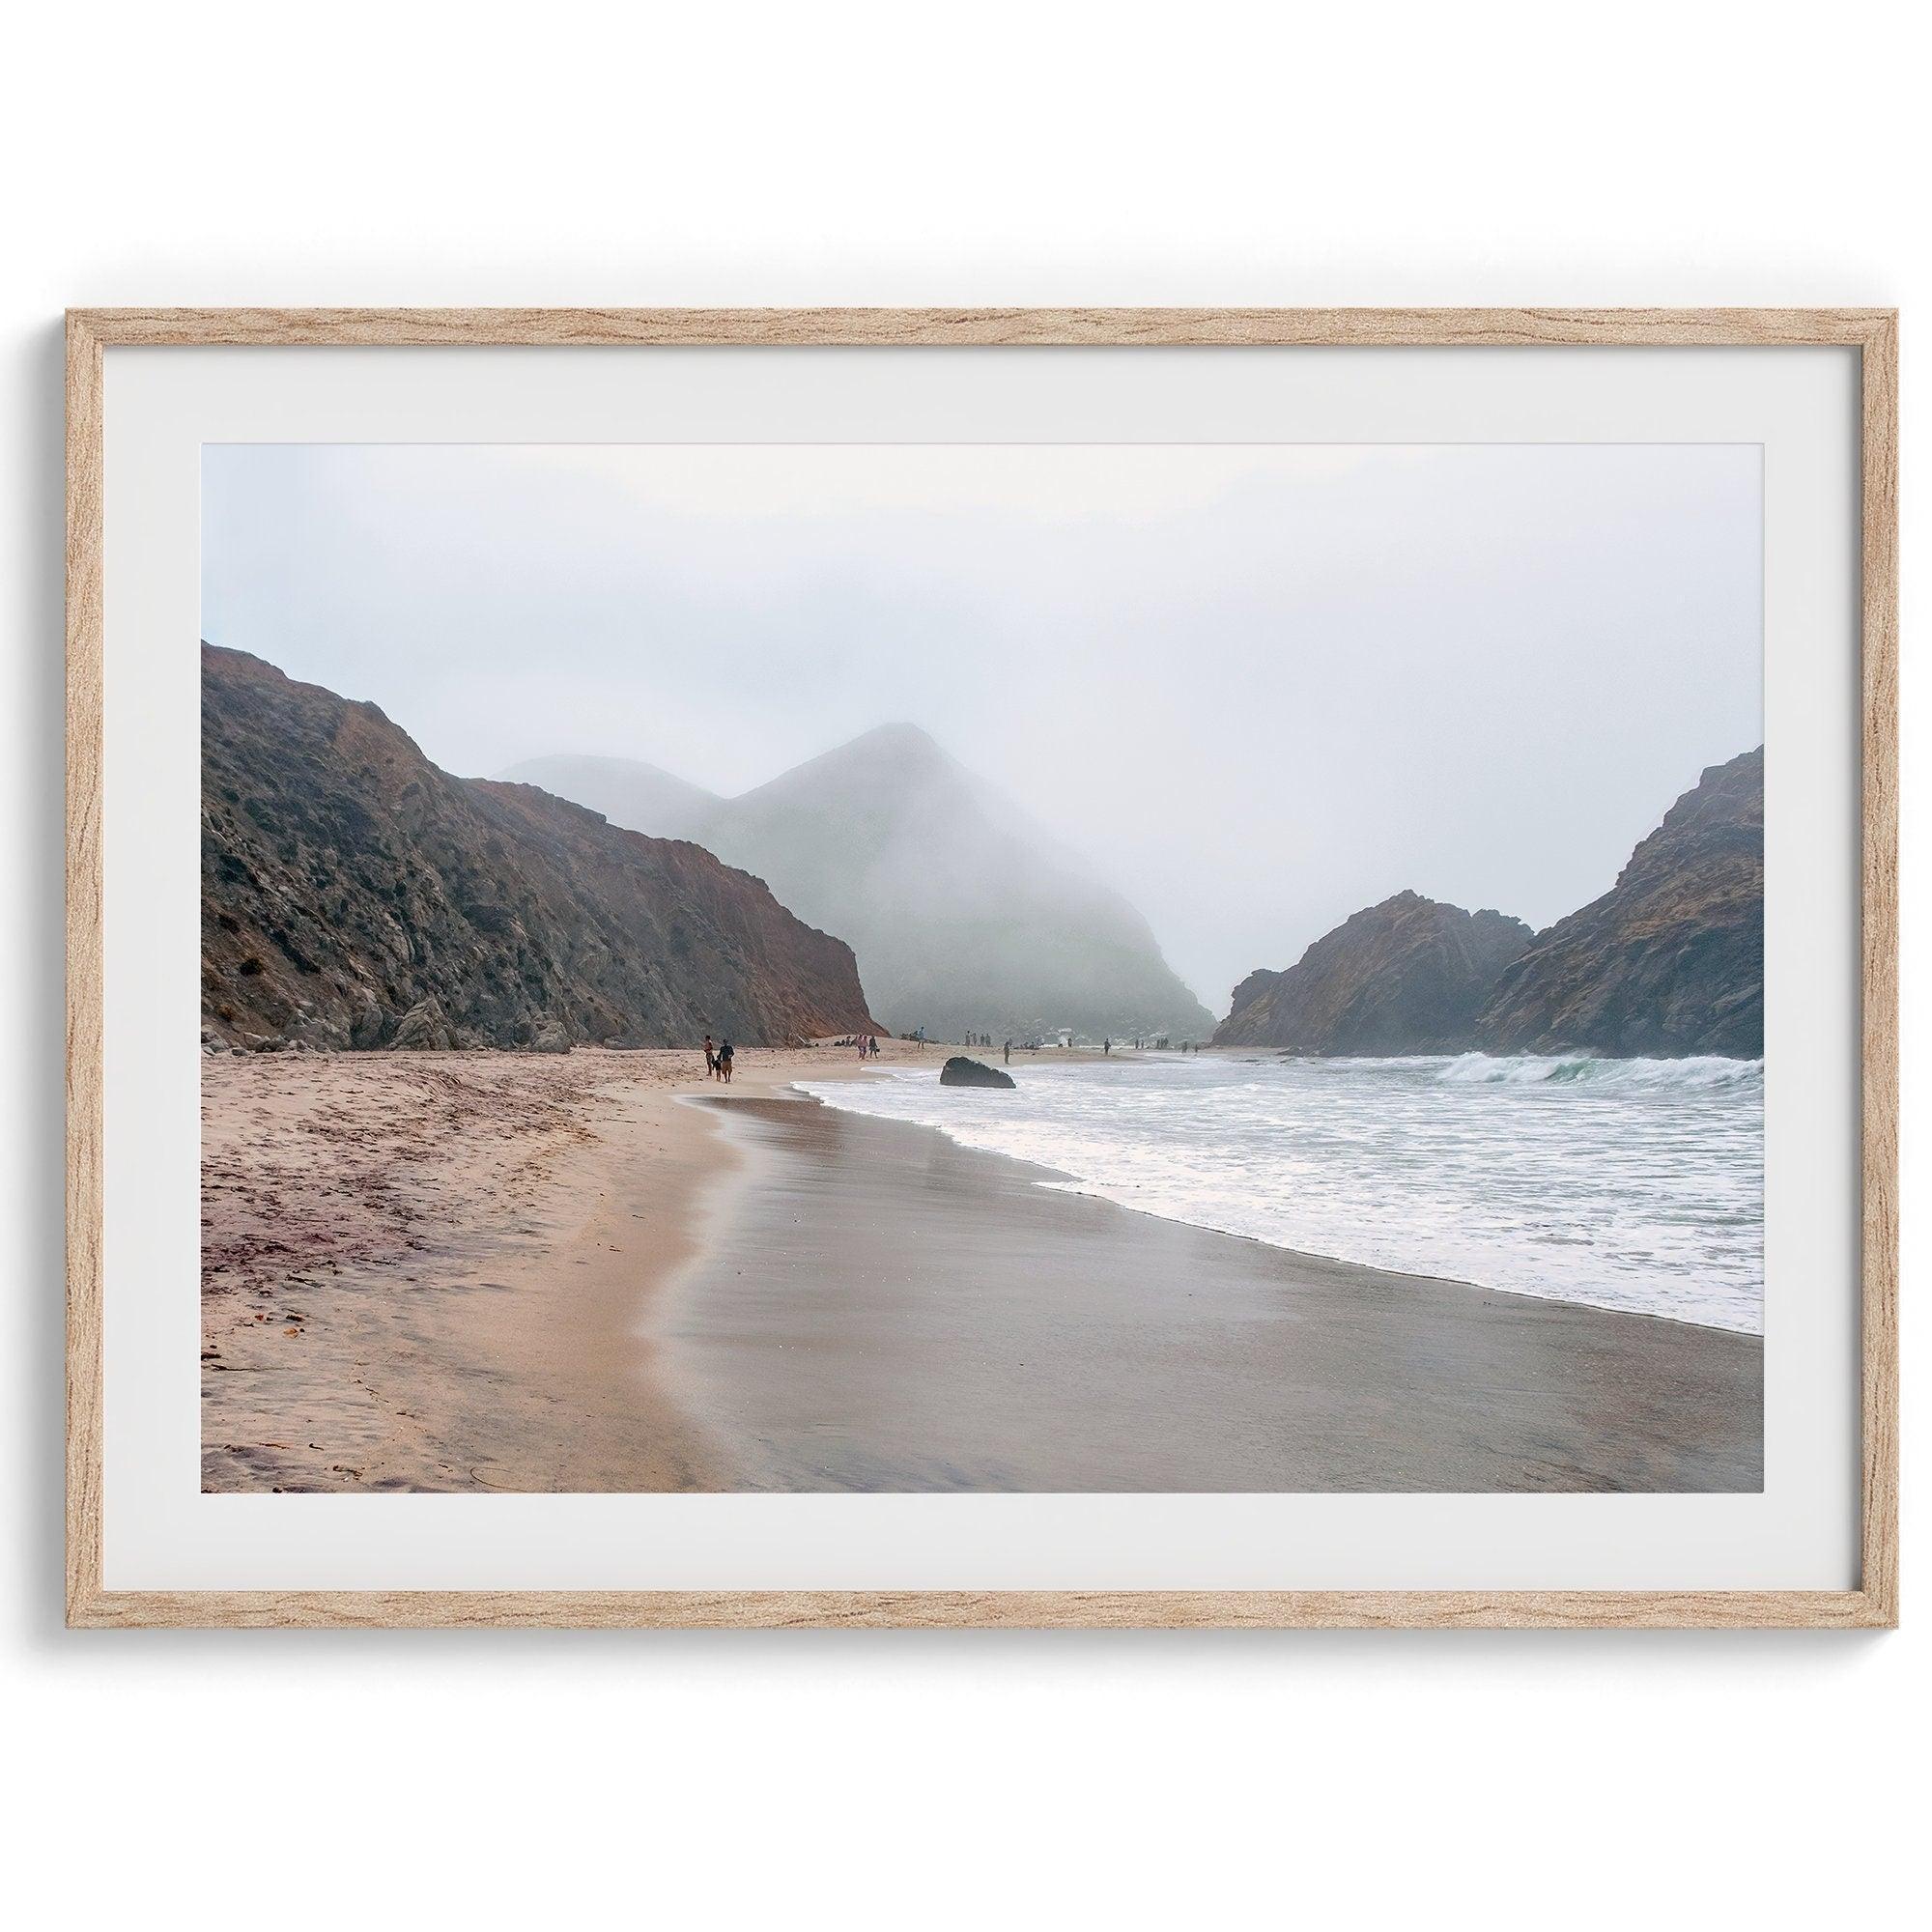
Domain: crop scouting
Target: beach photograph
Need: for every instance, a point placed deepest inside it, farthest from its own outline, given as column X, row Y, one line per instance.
column 981, row 968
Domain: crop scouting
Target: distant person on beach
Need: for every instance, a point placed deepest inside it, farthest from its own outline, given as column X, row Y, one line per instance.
column 725, row 1061
column 1106, row 1047
column 710, row 1059
column 1009, row 1053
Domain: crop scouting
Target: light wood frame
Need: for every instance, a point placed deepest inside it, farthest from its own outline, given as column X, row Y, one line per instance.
column 1872, row 332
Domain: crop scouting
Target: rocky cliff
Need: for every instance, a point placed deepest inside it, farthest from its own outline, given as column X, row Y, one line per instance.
column 354, row 895
column 1671, row 961
column 1408, row 976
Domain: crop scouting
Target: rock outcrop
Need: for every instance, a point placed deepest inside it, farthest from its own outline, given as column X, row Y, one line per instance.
column 963, row 913
column 550, row 1036
column 422, row 1029
column 355, row 896
column 1408, row 976
column 960, row 1071
column 1671, row 961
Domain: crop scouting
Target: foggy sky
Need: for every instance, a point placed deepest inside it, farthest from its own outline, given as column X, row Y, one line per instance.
column 1256, row 686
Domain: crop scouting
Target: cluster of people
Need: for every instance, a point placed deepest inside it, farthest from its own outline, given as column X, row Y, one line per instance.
column 717, row 1053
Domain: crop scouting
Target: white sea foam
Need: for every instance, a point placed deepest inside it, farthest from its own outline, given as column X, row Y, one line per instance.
column 1635, row 1184
column 1704, row 1073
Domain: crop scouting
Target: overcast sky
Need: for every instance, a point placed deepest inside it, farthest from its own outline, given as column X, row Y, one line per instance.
column 1258, row 685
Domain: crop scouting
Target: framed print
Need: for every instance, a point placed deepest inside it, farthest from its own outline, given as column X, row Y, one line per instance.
column 1030, row 968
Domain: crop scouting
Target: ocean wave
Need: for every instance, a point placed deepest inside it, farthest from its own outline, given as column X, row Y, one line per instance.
column 1632, row 1184
column 1698, row 1073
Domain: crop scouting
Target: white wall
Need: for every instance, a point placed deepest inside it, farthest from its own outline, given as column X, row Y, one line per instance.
column 992, row 153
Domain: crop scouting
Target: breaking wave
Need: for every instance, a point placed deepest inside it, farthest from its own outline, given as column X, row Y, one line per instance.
column 1701, row 1074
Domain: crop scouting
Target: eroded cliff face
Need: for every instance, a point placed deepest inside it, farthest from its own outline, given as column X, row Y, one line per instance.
column 1408, row 976
column 355, row 896
column 1671, row 961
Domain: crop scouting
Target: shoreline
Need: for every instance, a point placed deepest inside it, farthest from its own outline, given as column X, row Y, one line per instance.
column 525, row 1305
column 1006, row 1336
column 1542, row 1285
column 1089, row 1190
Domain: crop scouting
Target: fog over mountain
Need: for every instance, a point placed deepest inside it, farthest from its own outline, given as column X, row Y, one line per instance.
column 1252, row 687
column 962, row 914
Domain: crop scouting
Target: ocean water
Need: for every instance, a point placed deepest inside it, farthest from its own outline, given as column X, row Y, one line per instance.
column 1633, row 1184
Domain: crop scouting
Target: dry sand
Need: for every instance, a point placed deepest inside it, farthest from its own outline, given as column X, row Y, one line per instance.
column 429, row 1271
column 549, row 1273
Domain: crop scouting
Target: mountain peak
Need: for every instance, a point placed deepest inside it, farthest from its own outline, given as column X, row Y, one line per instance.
column 900, row 734
column 900, row 744
column 884, row 762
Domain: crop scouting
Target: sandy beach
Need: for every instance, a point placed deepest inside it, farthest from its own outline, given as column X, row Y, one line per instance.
column 536, row 1273
column 433, row 1271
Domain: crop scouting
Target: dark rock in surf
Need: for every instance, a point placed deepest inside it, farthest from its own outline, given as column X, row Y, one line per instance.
column 959, row 1072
